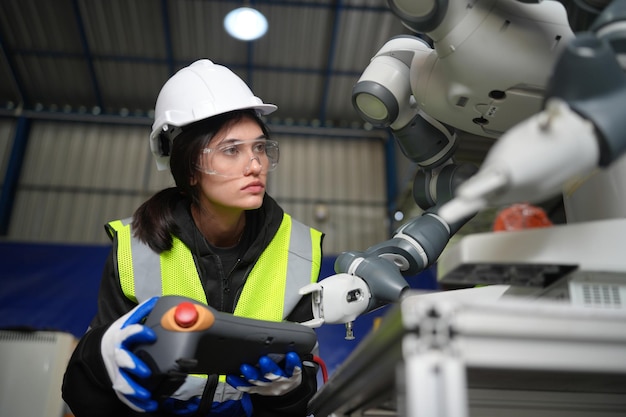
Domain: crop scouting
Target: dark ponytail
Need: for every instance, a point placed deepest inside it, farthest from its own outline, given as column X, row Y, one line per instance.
column 153, row 221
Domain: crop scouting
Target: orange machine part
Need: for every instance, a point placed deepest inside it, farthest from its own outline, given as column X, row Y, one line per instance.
column 521, row 216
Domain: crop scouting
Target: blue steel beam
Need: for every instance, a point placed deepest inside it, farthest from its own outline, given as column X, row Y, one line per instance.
column 12, row 175
column 330, row 62
column 167, row 37
column 19, row 86
column 87, row 54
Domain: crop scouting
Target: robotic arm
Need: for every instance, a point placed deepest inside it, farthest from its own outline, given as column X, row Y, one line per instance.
column 368, row 280
column 487, row 71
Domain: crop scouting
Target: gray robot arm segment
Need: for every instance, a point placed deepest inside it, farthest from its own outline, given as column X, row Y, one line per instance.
column 414, row 247
column 382, row 277
column 601, row 97
column 420, row 16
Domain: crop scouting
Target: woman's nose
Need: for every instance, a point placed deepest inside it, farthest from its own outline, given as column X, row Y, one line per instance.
column 254, row 166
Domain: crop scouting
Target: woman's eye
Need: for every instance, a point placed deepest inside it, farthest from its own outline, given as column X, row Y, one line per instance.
column 230, row 150
column 259, row 148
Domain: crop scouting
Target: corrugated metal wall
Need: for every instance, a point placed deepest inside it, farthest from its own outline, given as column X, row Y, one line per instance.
column 342, row 179
column 77, row 176
column 7, row 126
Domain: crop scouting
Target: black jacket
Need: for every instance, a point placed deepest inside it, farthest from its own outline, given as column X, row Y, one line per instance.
column 87, row 387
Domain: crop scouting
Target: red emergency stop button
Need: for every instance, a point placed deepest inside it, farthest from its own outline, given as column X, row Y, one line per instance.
column 186, row 314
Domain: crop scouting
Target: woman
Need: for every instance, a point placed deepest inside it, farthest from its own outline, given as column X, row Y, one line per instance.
column 216, row 237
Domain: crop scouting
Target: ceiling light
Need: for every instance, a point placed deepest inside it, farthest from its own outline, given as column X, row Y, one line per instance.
column 245, row 23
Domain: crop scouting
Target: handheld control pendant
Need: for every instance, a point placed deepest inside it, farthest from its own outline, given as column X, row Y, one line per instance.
column 193, row 338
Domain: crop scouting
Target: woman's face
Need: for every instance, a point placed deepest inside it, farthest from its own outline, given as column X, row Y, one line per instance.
column 233, row 150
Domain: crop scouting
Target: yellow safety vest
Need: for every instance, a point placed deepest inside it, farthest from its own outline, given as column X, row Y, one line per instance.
column 290, row 261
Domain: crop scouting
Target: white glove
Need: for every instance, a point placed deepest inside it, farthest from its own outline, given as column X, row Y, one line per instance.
column 268, row 378
column 121, row 363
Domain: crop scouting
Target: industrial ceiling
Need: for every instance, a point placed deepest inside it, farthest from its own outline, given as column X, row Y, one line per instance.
column 110, row 57
column 107, row 59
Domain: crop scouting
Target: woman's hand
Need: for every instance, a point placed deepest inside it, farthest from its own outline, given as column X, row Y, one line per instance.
column 268, row 378
column 121, row 364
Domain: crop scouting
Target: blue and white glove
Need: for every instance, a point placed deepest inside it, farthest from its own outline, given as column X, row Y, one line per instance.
column 186, row 400
column 267, row 378
column 121, row 363
column 181, row 407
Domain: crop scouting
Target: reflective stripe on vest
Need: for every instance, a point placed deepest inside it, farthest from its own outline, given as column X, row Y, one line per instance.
column 270, row 291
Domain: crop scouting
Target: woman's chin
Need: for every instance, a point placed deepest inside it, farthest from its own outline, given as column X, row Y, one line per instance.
column 252, row 203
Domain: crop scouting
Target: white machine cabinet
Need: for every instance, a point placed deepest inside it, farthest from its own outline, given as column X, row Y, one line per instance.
column 437, row 355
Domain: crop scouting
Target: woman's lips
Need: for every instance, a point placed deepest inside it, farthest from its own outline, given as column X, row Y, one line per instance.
column 254, row 187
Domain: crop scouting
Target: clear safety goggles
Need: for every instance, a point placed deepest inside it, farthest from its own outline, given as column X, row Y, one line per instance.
column 234, row 158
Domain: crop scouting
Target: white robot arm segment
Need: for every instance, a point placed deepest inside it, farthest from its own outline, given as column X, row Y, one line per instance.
column 490, row 62
column 530, row 163
column 426, row 16
column 581, row 128
column 382, row 95
column 338, row 299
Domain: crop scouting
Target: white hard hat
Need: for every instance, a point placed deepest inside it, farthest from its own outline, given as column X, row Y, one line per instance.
column 199, row 91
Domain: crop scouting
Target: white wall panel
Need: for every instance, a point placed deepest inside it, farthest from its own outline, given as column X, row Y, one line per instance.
column 78, row 176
